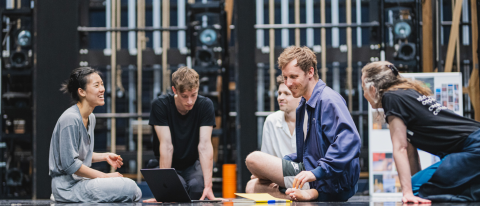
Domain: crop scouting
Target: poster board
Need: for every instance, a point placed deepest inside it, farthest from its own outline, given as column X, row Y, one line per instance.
column 383, row 176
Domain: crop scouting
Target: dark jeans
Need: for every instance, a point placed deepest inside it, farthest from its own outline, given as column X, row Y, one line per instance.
column 192, row 180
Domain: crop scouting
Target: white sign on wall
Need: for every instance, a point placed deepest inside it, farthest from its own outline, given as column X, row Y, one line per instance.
column 383, row 176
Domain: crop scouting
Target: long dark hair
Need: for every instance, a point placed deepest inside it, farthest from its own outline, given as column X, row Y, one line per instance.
column 78, row 79
column 385, row 77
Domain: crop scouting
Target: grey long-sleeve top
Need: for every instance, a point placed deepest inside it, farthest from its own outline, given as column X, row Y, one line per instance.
column 71, row 146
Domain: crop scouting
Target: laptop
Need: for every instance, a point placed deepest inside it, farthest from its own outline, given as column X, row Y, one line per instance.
column 167, row 187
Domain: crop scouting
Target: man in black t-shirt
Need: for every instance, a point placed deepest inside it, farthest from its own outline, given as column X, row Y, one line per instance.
column 183, row 125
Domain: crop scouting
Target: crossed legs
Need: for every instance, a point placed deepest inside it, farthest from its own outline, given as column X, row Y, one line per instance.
column 268, row 172
column 269, row 177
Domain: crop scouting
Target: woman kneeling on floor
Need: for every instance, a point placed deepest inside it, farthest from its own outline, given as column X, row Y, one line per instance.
column 416, row 120
column 71, row 148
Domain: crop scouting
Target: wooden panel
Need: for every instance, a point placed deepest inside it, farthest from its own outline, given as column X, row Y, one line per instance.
column 271, row 11
column 474, row 83
column 349, row 54
column 229, row 10
column 323, row 41
column 427, row 37
column 453, row 35
column 165, row 45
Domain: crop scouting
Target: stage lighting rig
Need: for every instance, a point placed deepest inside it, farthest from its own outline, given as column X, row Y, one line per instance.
column 207, row 35
column 18, row 30
column 207, row 43
column 16, row 111
column 405, row 31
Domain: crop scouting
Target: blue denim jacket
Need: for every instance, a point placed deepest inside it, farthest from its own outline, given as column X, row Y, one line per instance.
column 332, row 145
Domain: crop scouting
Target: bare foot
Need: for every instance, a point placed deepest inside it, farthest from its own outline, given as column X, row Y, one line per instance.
column 151, row 200
column 302, row 195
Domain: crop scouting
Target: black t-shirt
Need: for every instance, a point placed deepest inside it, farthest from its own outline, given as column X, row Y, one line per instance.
column 430, row 126
column 184, row 129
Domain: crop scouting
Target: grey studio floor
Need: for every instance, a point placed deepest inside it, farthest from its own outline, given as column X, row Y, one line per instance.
column 354, row 201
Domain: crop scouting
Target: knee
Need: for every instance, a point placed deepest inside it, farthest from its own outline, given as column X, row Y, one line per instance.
column 196, row 184
column 134, row 190
column 250, row 188
column 252, row 159
column 138, row 195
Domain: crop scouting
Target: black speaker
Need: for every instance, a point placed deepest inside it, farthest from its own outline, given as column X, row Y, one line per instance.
column 402, row 18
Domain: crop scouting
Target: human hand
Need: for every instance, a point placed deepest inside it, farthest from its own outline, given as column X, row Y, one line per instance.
column 151, row 200
column 208, row 193
column 410, row 198
column 114, row 160
column 302, row 178
column 253, row 177
column 113, row 174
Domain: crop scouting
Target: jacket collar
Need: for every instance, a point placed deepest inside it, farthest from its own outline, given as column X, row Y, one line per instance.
column 316, row 94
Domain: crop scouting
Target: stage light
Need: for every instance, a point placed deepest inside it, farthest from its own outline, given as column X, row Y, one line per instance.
column 406, row 51
column 19, row 59
column 205, row 57
column 402, row 30
column 24, row 38
column 207, row 33
column 14, row 177
column 208, row 37
column 404, row 37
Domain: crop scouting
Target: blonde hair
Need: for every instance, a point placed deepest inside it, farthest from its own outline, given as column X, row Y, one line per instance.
column 185, row 79
column 383, row 77
column 305, row 57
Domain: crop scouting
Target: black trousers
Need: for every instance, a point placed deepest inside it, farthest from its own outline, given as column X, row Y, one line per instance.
column 192, row 180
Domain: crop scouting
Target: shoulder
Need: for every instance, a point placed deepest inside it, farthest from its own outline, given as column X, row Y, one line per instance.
column 275, row 117
column 331, row 97
column 162, row 100
column 71, row 116
column 204, row 101
column 400, row 94
column 92, row 118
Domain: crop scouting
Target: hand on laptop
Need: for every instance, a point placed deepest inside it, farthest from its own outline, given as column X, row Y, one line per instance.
column 207, row 193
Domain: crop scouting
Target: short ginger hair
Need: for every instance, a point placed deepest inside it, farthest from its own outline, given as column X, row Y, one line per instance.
column 304, row 56
column 185, row 79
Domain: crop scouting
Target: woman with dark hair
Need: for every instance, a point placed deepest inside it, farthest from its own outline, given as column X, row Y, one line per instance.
column 71, row 148
column 416, row 120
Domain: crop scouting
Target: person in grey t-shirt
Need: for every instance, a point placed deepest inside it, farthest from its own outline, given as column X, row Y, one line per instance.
column 71, row 148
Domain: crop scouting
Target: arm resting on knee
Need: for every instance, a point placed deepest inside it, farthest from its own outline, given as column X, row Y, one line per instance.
column 88, row 172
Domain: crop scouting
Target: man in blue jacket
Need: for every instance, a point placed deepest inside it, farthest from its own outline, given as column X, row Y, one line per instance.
column 325, row 166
